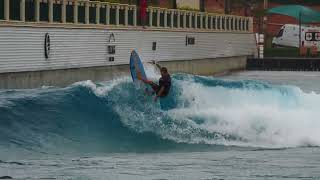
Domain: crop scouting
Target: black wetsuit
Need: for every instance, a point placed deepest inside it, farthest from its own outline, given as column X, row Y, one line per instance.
column 164, row 81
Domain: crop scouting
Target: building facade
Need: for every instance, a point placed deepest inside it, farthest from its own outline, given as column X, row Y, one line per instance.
column 54, row 42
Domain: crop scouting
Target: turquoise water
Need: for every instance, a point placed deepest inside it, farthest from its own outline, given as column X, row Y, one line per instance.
column 250, row 125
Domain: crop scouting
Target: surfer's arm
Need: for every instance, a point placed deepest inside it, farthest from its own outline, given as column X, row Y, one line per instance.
column 160, row 92
column 146, row 81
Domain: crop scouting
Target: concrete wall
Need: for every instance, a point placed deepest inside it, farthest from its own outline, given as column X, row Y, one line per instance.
column 64, row 77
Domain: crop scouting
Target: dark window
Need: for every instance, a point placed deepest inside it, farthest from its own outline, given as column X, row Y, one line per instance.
column 232, row 25
column 219, row 23
column 44, row 14
column 15, row 9
column 162, row 19
column 130, row 17
column 29, row 10
column 92, row 15
column 243, row 25
column 1, row 9
column 57, row 8
column 228, row 23
column 214, row 22
column 236, row 24
column 188, row 21
column 154, row 18
column 247, row 25
column 175, row 20
column 169, row 19
column 121, row 16
column 81, row 14
column 199, row 21
column 103, row 19
column 181, row 20
column 193, row 25
column 113, row 15
column 280, row 34
column 210, row 22
column 69, row 13
column 223, row 23
column 204, row 20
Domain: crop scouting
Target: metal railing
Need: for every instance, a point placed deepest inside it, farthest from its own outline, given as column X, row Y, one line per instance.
column 124, row 15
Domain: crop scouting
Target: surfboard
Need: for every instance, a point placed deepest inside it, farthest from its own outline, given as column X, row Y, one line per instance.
column 136, row 67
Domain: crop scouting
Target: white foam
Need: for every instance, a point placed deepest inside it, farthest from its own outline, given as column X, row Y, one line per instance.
column 102, row 89
column 275, row 117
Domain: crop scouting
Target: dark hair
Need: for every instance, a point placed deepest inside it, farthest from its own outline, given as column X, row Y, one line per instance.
column 164, row 69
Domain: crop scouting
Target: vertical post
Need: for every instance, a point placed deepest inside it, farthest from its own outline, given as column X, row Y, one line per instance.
column 196, row 20
column 201, row 20
column 126, row 14
column 87, row 12
column 117, row 14
column 75, row 12
column 108, row 14
column 63, row 11
column 207, row 21
column 230, row 23
column 233, row 23
column 190, row 19
column 98, row 13
column 178, row 19
column 37, row 11
column 158, row 17
column 184, row 19
column 135, row 16
column 211, row 22
column 150, row 16
column 216, row 22
column 7, row 10
column 22, row 10
column 172, row 18
column 50, row 11
column 165, row 18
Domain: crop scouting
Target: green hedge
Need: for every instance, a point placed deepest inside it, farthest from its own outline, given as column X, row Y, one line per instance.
column 284, row 52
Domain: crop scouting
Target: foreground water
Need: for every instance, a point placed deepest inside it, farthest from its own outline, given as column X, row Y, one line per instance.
column 249, row 125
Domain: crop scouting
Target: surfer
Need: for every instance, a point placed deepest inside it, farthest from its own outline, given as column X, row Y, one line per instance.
column 163, row 88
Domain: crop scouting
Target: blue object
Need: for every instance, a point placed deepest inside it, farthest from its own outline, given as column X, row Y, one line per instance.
column 136, row 67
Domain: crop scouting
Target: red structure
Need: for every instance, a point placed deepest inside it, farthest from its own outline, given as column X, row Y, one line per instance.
column 215, row 6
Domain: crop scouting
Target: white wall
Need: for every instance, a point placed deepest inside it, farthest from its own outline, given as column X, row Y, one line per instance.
column 22, row 48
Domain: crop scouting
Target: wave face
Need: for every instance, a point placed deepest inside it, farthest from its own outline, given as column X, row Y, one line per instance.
column 116, row 116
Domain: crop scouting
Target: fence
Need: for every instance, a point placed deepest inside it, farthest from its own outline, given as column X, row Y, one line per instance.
column 124, row 15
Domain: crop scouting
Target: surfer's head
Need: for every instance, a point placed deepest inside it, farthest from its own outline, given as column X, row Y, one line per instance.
column 164, row 71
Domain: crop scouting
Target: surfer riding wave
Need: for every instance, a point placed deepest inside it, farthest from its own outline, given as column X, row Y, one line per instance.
column 162, row 89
